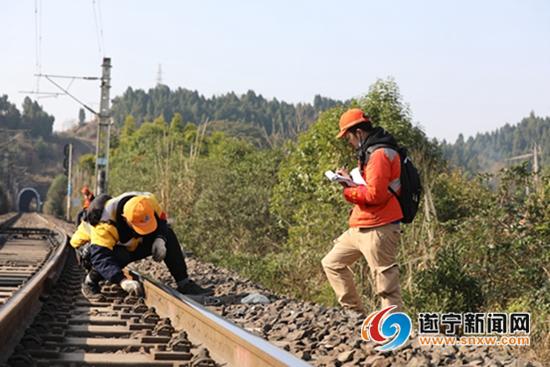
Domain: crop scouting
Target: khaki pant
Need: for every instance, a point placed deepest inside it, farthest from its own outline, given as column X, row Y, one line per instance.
column 379, row 246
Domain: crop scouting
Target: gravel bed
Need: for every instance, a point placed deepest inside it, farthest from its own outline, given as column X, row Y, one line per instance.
column 323, row 336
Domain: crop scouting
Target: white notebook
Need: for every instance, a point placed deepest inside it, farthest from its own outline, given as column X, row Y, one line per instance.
column 356, row 178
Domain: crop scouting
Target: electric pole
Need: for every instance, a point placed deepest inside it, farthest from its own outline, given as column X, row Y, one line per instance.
column 536, row 163
column 103, row 130
column 68, row 165
column 104, row 117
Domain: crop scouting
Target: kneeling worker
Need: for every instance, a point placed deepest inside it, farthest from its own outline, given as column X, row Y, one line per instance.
column 128, row 228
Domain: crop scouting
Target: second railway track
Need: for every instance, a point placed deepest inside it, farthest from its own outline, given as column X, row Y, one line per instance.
column 22, row 252
column 163, row 328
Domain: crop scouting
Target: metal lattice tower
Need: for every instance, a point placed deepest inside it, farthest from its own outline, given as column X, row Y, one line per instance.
column 159, row 75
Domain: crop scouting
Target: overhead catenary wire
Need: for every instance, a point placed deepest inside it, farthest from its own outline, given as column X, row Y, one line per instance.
column 65, row 90
column 101, row 27
column 38, row 57
column 38, row 40
column 98, row 27
column 70, row 95
column 38, row 54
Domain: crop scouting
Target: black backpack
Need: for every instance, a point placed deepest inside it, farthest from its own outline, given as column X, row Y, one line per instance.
column 94, row 211
column 411, row 187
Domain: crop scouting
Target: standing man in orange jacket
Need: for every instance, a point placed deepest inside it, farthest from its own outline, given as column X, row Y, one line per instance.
column 374, row 228
column 88, row 198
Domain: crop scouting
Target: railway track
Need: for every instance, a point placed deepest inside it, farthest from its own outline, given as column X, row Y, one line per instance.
column 22, row 252
column 47, row 322
column 30, row 260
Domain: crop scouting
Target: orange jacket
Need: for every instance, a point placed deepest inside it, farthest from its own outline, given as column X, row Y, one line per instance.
column 375, row 205
column 87, row 200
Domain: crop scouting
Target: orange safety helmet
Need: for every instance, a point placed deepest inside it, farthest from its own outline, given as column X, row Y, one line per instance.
column 140, row 215
column 351, row 117
column 85, row 190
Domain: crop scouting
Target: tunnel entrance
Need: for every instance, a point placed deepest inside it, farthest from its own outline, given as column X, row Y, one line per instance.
column 28, row 200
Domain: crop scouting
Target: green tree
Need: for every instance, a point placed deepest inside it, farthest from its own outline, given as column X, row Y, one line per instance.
column 55, row 198
column 177, row 123
column 35, row 119
column 489, row 152
column 129, row 127
column 279, row 120
column 304, row 201
column 10, row 118
column 385, row 107
column 232, row 201
column 160, row 120
column 86, row 163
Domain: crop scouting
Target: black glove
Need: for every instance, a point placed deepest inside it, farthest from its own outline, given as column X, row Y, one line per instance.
column 158, row 249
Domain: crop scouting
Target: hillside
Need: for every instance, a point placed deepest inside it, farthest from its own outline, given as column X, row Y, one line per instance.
column 271, row 118
column 32, row 154
column 488, row 152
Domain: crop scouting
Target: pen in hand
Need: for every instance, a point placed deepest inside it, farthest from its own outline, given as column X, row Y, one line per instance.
column 342, row 171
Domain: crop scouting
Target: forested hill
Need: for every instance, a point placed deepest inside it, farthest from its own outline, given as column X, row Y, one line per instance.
column 275, row 118
column 489, row 152
column 32, row 154
column 32, row 118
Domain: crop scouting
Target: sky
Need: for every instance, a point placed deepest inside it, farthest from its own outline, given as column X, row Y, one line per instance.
column 462, row 66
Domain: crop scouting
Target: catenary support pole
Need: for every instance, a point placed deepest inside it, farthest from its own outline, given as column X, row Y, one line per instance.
column 103, row 130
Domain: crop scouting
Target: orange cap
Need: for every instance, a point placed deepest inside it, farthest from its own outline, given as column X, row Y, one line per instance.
column 351, row 118
column 140, row 215
column 85, row 190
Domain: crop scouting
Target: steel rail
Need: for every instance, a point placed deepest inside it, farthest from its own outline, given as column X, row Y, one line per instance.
column 18, row 312
column 226, row 341
column 9, row 221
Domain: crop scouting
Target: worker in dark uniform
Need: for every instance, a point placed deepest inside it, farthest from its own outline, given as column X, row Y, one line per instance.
column 125, row 229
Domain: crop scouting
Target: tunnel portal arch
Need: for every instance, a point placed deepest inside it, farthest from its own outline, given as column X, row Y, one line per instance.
column 28, row 200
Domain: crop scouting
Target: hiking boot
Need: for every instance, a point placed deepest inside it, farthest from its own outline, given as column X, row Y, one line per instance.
column 188, row 286
column 91, row 291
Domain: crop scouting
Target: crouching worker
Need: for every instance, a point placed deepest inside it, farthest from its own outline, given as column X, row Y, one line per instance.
column 125, row 229
column 374, row 222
